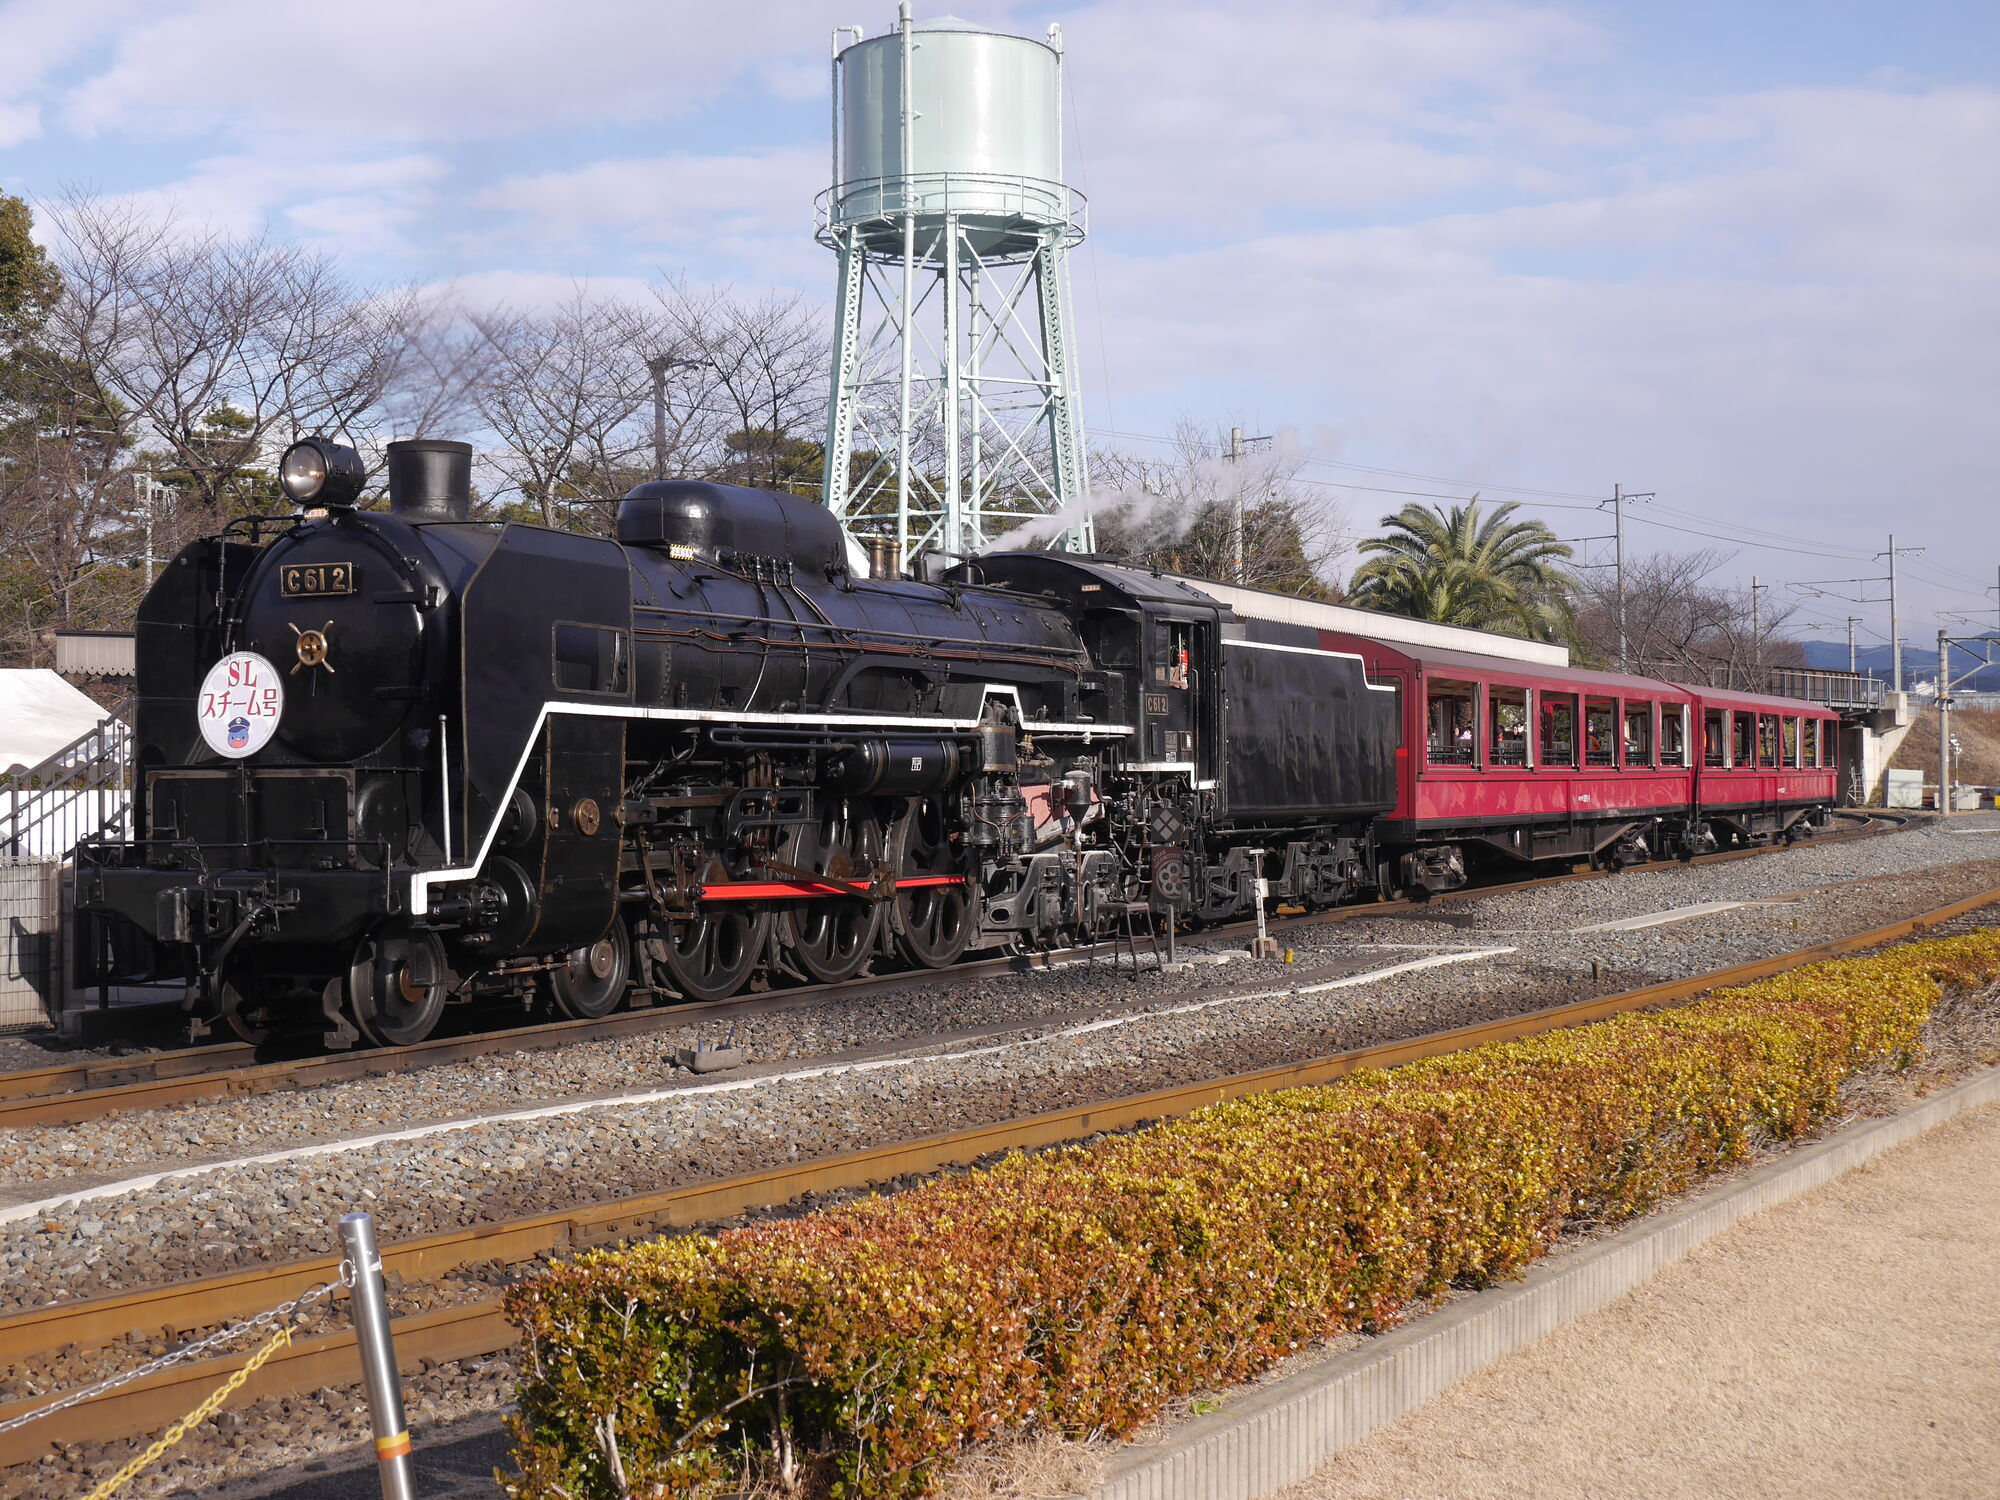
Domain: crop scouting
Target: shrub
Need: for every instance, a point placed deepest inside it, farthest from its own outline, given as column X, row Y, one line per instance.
column 1083, row 1288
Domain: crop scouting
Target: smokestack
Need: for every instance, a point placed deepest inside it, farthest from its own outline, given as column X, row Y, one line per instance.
column 430, row 480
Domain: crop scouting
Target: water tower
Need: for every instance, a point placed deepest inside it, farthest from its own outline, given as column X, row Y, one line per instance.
column 954, row 413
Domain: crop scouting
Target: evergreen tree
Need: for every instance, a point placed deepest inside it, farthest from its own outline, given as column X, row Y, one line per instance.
column 1464, row 566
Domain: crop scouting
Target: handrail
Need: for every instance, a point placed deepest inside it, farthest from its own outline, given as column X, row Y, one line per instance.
column 1831, row 688
column 81, row 791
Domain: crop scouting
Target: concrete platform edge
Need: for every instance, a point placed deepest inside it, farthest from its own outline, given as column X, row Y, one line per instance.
column 1277, row 1434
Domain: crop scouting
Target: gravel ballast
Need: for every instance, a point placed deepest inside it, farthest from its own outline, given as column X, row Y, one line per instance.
column 278, row 1211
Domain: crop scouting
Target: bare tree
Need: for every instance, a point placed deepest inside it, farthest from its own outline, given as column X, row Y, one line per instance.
column 162, row 328
column 1180, row 514
column 569, row 395
column 1681, row 624
column 754, row 403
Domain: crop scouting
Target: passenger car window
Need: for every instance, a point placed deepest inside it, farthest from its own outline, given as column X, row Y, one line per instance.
column 1673, row 734
column 1448, row 708
column 1507, row 718
column 1558, row 729
column 1600, row 732
column 1638, row 734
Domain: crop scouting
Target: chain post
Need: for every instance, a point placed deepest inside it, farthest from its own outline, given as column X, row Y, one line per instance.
column 370, row 1309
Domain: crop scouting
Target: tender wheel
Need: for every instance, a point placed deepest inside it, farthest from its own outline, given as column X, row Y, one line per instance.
column 831, row 939
column 933, row 922
column 396, row 986
column 591, row 980
column 709, row 956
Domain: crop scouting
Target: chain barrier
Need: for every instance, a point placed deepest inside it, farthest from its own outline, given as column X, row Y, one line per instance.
column 279, row 1340
column 281, row 1337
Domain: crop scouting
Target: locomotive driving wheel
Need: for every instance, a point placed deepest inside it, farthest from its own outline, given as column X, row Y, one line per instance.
column 710, row 953
column 590, row 982
column 933, row 922
column 396, row 986
column 831, row 937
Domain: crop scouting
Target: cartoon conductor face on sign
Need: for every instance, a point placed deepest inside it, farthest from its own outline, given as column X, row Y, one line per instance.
column 241, row 700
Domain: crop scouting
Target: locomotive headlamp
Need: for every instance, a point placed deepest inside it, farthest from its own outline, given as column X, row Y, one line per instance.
column 316, row 472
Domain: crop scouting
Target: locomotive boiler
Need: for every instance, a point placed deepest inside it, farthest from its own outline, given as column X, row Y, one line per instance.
column 391, row 759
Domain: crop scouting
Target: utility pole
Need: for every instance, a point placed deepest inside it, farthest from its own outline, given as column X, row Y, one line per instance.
column 1895, row 622
column 1619, row 496
column 1757, row 633
column 1238, row 446
column 148, row 489
column 1944, row 723
column 1895, row 617
column 1852, row 621
column 658, row 365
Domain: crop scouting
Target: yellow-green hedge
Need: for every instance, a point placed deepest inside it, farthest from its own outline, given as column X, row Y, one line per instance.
column 1085, row 1287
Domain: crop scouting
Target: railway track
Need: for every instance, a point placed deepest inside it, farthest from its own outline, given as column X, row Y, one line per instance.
column 71, row 1093
column 479, row 1327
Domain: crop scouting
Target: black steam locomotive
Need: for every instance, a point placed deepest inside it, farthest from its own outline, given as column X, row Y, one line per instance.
column 387, row 760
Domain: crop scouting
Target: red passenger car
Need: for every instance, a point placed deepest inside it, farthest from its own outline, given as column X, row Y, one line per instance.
column 1768, row 765
column 1506, row 762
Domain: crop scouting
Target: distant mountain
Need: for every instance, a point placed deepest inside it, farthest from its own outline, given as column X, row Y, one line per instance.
column 1919, row 663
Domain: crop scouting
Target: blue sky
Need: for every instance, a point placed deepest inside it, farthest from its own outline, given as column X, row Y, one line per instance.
column 1739, row 254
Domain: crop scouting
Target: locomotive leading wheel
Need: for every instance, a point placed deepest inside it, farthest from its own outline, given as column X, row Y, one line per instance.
column 396, row 986
column 591, row 980
column 934, row 922
column 832, row 937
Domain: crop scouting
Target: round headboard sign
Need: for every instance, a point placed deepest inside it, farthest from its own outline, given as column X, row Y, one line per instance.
column 241, row 701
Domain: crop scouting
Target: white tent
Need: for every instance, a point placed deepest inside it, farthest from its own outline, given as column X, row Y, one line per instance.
column 39, row 714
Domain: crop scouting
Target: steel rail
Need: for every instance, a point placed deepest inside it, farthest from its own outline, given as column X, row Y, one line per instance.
column 72, row 1093
column 480, row 1328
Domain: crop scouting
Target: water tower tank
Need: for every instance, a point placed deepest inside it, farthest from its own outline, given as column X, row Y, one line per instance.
column 974, row 131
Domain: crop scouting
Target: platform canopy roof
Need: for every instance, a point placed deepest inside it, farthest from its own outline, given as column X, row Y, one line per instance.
column 39, row 715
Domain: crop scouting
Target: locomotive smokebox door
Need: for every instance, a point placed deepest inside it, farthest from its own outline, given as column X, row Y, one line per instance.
column 548, row 674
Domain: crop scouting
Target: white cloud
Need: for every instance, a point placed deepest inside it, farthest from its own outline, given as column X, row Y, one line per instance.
column 1800, row 332
column 746, row 215
column 435, row 70
column 19, row 123
column 1212, row 118
column 351, row 206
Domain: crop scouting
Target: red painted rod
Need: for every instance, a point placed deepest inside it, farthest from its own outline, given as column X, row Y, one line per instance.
column 776, row 890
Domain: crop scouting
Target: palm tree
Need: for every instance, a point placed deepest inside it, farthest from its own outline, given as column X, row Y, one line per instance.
column 1466, row 567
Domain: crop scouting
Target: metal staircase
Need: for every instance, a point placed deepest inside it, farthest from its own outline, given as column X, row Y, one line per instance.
column 83, row 790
